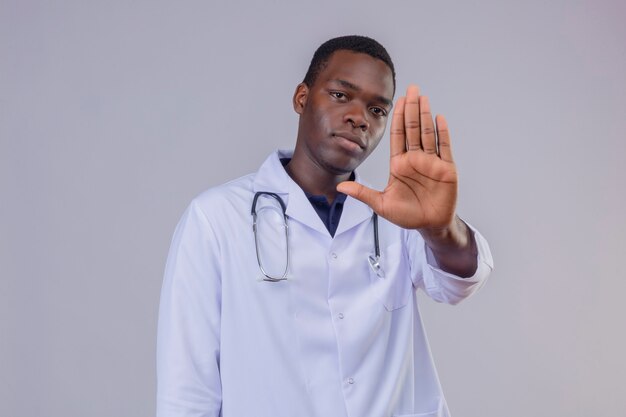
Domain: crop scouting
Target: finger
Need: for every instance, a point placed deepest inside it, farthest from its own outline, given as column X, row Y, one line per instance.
column 362, row 193
column 429, row 142
column 397, row 143
column 412, row 119
column 445, row 149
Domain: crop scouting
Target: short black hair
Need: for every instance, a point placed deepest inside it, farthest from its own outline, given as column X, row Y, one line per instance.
column 355, row 43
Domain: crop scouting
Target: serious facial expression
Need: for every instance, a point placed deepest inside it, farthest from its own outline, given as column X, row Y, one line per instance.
column 344, row 113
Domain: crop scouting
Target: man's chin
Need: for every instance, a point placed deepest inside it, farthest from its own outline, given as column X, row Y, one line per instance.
column 341, row 168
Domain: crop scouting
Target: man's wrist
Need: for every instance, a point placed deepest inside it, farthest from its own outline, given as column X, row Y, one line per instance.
column 453, row 247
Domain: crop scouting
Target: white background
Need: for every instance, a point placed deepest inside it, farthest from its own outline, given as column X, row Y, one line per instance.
column 115, row 114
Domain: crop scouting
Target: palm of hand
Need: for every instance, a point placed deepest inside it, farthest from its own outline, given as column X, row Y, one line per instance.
column 421, row 191
column 422, row 187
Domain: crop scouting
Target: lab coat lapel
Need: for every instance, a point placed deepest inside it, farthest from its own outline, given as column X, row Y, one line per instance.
column 354, row 213
column 272, row 177
column 300, row 209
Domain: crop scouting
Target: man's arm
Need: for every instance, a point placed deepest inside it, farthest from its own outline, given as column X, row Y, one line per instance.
column 189, row 322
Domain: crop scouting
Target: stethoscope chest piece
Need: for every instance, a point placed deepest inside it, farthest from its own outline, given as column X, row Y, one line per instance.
column 374, row 262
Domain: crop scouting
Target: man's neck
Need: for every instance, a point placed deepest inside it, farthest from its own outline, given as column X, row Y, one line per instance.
column 313, row 179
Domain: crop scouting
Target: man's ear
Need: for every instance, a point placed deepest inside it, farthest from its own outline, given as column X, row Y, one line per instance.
column 300, row 97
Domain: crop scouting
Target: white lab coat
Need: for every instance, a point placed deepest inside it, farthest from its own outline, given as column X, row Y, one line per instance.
column 334, row 340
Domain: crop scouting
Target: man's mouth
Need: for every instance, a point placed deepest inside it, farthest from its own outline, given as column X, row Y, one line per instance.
column 351, row 138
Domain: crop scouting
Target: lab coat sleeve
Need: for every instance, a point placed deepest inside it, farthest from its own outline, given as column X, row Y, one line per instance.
column 440, row 285
column 188, row 338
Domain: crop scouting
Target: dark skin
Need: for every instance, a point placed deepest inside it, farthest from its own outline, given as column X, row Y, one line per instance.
column 342, row 119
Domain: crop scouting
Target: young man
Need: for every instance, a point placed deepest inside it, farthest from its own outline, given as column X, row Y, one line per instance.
column 319, row 318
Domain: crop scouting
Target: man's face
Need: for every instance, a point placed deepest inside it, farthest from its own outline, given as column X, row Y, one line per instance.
column 344, row 113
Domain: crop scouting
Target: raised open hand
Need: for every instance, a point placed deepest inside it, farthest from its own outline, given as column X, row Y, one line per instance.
column 422, row 188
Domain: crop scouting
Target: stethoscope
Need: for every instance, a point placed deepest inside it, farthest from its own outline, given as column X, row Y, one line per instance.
column 374, row 261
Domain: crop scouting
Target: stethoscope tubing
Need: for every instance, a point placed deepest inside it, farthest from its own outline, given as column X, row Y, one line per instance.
column 374, row 261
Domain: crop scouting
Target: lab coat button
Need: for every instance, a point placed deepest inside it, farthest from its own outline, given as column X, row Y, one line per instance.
column 350, row 380
column 334, row 255
column 340, row 315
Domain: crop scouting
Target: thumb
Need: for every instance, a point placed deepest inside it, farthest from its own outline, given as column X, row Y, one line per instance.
column 362, row 193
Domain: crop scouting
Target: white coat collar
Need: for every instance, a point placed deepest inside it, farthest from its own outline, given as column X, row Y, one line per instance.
column 272, row 177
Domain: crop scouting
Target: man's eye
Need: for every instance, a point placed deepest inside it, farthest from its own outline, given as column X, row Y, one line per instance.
column 338, row 95
column 378, row 111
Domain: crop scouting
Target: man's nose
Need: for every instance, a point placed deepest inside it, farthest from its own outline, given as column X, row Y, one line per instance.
column 356, row 115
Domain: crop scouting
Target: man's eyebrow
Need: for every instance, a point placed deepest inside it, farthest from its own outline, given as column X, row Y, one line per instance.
column 353, row 87
column 347, row 84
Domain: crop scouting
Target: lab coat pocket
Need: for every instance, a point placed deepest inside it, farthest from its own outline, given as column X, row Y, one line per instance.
column 394, row 288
